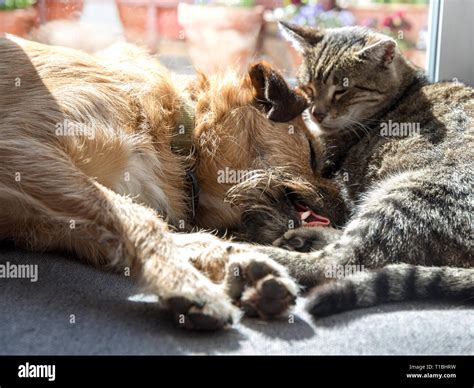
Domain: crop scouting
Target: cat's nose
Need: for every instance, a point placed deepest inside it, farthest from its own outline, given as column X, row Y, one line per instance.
column 318, row 115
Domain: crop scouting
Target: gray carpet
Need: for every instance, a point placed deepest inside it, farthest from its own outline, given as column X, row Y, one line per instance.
column 111, row 317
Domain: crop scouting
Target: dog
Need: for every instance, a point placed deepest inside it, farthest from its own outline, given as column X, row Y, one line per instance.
column 114, row 158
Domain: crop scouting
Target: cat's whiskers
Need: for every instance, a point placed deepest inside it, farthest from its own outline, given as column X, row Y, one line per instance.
column 358, row 125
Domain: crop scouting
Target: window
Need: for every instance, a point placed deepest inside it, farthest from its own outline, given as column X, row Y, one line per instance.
column 211, row 35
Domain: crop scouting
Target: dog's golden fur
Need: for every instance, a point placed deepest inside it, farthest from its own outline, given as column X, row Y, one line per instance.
column 110, row 195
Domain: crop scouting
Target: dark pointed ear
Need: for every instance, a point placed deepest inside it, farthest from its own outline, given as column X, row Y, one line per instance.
column 381, row 49
column 302, row 38
column 281, row 102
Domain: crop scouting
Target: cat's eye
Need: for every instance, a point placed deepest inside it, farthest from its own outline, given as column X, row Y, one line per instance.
column 338, row 94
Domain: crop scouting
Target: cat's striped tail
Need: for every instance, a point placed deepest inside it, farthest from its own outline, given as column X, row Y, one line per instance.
column 393, row 283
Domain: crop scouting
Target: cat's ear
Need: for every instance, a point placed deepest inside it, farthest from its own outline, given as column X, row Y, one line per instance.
column 382, row 49
column 302, row 38
column 281, row 102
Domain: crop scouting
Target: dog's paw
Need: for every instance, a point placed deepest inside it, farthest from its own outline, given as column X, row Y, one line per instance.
column 254, row 282
column 306, row 239
column 203, row 311
column 259, row 286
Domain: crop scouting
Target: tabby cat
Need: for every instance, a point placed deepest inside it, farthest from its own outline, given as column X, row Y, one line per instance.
column 402, row 153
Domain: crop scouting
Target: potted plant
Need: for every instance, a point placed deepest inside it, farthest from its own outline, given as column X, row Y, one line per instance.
column 146, row 21
column 410, row 33
column 17, row 17
column 269, row 4
column 324, row 14
column 405, row 20
column 221, row 34
column 59, row 9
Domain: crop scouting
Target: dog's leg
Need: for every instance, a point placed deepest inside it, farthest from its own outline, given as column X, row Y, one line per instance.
column 46, row 203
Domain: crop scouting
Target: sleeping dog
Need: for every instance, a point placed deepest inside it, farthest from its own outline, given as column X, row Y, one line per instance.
column 112, row 157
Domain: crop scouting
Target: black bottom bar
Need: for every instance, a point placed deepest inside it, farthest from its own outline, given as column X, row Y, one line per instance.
column 383, row 371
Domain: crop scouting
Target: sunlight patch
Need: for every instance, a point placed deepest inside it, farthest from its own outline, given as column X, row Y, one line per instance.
column 143, row 298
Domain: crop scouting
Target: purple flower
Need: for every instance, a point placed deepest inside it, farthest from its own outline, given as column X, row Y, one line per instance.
column 370, row 22
column 346, row 18
column 298, row 19
column 320, row 8
column 309, row 11
column 312, row 22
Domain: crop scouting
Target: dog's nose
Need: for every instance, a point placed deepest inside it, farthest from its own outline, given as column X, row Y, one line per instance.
column 318, row 115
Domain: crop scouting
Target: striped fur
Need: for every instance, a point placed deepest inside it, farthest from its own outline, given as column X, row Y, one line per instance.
column 393, row 283
column 409, row 197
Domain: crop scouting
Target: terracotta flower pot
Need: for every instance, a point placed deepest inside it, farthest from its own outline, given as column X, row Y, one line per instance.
column 60, row 9
column 146, row 21
column 418, row 57
column 269, row 4
column 219, row 37
column 18, row 21
column 296, row 57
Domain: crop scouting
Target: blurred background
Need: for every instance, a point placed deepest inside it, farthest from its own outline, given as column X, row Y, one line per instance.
column 210, row 35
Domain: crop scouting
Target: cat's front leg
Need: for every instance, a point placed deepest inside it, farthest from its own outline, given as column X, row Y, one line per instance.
column 305, row 239
column 398, row 246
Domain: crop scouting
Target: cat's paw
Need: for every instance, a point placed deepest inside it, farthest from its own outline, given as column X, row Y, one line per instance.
column 306, row 239
column 259, row 286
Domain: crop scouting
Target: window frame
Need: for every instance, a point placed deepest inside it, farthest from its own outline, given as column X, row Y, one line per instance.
column 450, row 47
